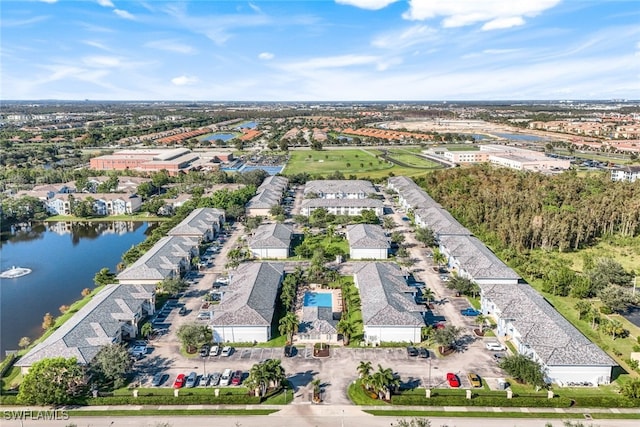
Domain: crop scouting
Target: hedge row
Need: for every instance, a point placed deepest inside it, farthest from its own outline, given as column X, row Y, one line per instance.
column 196, row 399
column 541, row 402
column 9, row 399
column 239, row 399
column 606, row 402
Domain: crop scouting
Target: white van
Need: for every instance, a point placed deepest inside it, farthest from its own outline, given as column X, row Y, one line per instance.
column 226, row 377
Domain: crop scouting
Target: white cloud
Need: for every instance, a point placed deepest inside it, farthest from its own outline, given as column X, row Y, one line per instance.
column 417, row 34
column 49, row 1
column 266, row 56
column 106, row 3
column 184, row 80
column 495, row 14
column 102, row 61
column 500, row 23
column 367, row 4
column 6, row 23
column 171, row 46
column 255, row 8
column 124, row 14
column 332, row 62
column 97, row 45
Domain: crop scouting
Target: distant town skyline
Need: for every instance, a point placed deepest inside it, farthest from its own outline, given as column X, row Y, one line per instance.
column 342, row 50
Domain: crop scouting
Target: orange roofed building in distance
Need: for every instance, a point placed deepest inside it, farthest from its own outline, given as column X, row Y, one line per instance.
column 147, row 160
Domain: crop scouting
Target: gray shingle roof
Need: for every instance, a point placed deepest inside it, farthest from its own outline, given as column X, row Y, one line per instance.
column 367, row 236
column 476, row 259
column 318, row 320
column 277, row 183
column 93, row 326
column 161, row 260
column 386, row 297
column 271, row 236
column 554, row 340
column 339, row 186
column 440, row 221
column 198, row 222
column 265, row 199
column 250, row 297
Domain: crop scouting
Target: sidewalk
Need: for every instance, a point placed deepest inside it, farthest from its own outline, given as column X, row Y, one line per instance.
column 321, row 410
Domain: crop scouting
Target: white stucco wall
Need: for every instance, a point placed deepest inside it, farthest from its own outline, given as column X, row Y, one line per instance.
column 374, row 253
column 392, row 333
column 592, row 374
column 240, row 333
column 279, row 253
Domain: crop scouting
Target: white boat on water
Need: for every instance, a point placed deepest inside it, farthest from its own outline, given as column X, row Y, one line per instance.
column 15, row 272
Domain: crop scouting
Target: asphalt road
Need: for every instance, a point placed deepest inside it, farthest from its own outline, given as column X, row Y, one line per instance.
column 330, row 419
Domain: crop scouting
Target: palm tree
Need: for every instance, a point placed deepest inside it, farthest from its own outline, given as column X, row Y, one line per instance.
column 383, row 380
column 146, row 330
column 316, row 389
column 258, row 378
column 276, row 372
column 288, row 325
column 364, row 369
column 347, row 328
column 480, row 321
column 438, row 257
column 428, row 295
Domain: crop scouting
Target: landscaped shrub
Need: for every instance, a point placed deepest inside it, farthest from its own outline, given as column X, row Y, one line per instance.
column 540, row 402
column 9, row 399
column 197, row 399
column 606, row 402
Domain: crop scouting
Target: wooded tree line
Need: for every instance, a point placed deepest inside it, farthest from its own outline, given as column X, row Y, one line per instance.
column 531, row 210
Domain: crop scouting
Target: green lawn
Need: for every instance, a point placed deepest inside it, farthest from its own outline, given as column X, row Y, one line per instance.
column 409, row 157
column 625, row 250
column 169, row 412
column 359, row 396
column 329, row 161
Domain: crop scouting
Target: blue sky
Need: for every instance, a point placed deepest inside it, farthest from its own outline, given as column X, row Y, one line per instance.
column 320, row 50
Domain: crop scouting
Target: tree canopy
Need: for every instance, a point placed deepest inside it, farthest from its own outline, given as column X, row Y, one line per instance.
column 54, row 381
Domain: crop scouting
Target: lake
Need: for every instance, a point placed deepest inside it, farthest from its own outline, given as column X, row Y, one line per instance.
column 520, row 137
column 64, row 257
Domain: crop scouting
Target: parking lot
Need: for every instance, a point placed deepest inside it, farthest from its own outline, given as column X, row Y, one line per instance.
column 340, row 369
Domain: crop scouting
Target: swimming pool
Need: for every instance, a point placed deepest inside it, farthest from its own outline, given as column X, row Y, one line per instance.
column 317, row 299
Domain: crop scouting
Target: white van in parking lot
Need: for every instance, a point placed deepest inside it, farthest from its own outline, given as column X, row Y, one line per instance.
column 495, row 346
column 226, row 377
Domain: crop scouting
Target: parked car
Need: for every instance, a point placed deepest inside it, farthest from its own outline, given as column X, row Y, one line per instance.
column 223, row 280
column 424, row 353
column 191, row 380
column 226, row 351
column 225, row 378
column 495, row 346
column 179, row 382
column 214, row 379
column 182, row 311
column 236, row 378
column 204, row 315
column 158, row 379
column 498, row 357
column 215, row 351
column 470, row 311
column 474, row 379
column 412, row 351
column 204, row 350
column 289, row 351
column 138, row 350
column 453, row 380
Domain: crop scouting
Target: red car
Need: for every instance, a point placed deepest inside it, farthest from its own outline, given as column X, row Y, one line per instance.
column 453, row 380
column 236, row 378
column 179, row 382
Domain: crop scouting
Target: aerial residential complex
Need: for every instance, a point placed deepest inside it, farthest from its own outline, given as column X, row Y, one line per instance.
column 523, row 316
